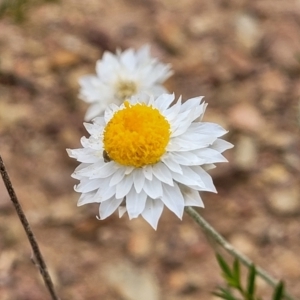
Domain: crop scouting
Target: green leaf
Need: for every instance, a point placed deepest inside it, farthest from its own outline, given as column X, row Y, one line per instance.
column 279, row 291
column 233, row 282
column 251, row 282
column 236, row 272
column 224, row 266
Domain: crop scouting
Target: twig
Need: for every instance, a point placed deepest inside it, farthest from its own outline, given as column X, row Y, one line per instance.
column 208, row 229
column 34, row 245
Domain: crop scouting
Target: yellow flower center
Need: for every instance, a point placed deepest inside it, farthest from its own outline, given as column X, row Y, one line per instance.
column 136, row 135
column 125, row 89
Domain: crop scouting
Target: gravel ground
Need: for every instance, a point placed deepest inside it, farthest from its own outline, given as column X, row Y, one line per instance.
column 243, row 56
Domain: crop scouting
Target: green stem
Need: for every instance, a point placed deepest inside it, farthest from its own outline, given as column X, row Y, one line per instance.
column 208, row 229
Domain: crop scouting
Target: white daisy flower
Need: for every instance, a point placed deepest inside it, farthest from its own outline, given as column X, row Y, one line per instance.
column 146, row 154
column 120, row 76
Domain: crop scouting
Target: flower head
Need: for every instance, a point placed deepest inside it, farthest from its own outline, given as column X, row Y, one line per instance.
column 120, row 76
column 145, row 154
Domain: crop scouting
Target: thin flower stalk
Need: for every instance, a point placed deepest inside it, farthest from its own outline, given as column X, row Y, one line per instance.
column 32, row 240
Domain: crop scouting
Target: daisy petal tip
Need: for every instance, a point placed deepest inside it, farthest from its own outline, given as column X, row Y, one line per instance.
column 153, row 225
column 70, row 152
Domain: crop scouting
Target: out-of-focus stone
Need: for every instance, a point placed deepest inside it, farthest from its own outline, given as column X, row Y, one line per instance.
column 34, row 47
column 248, row 32
column 64, row 210
column 179, row 282
column 7, row 260
column 271, row 8
column 69, row 136
column 283, row 45
column 276, row 174
column 289, row 263
column 205, row 24
column 246, row 153
column 139, row 245
column 243, row 242
column 12, row 113
column 281, row 140
column 246, row 117
column 7, row 61
column 64, row 59
column 292, row 159
column 239, row 62
column 41, row 66
column 11, row 231
column 169, row 33
column 284, row 201
column 87, row 228
column 272, row 81
column 273, row 86
column 131, row 283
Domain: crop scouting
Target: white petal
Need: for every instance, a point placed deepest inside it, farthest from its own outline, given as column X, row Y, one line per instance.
column 135, row 203
column 191, row 197
column 94, row 110
column 107, row 192
column 122, row 210
column 107, row 170
column 171, row 164
column 210, row 156
column 153, row 188
column 191, row 103
column 187, row 142
column 152, row 212
column 143, row 53
column 221, row 145
column 138, row 179
column 108, row 207
column 187, row 158
column 162, row 173
column 173, row 199
column 210, row 128
column 164, row 101
column 95, row 129
column 207, row 167
column 117, row 176
column 87, row 185
column 86, row 198
column 98, row 122
column 92, row 143
column 147, row 171
column 172, row 112
column 84, row 155
column 128, row 60
column 206, row 179
column 85, row 169
column 181, row 123
column 188, row 177
column 109, row 112
column 124, row 186
column 129, row 170
column 98, row 170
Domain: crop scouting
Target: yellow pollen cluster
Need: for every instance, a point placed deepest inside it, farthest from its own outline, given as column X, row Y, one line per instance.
column 136, row 135
column 125, row 89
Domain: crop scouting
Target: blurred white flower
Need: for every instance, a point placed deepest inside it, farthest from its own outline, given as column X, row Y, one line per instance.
column 146, row 154
column 120, row 76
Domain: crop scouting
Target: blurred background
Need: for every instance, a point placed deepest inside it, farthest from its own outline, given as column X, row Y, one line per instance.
column 243, row 56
